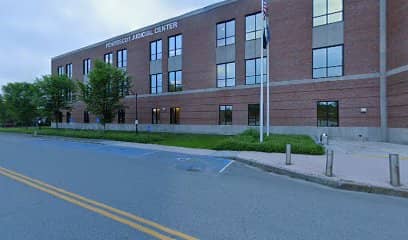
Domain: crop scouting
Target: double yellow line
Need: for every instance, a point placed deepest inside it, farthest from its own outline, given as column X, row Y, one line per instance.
column 140, row 224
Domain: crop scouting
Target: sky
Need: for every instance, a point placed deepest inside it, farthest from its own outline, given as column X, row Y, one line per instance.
column 34, row 31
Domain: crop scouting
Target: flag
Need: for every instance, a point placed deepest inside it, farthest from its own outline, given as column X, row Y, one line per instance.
column 266, row 33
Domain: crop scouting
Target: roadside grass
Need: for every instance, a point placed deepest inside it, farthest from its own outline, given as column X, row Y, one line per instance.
column 247, row 141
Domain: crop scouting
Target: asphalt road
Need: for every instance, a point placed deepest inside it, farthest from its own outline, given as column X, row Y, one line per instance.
column 182, row 196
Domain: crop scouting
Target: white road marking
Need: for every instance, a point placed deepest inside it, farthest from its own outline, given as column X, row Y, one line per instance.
column 226, row 166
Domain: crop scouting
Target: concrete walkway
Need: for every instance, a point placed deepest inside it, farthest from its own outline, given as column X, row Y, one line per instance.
column 359, row 166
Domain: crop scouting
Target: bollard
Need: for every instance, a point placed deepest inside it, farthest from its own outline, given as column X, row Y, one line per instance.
column 329, row 163
column 394, row 170
column 288, row 154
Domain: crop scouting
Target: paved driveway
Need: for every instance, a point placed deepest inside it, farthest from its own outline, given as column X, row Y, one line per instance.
column 160, row 195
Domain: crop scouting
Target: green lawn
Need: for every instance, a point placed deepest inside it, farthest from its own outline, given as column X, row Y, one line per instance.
column 247, row 141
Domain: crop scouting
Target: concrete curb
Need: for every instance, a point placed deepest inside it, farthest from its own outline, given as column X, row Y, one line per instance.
column 330, row 182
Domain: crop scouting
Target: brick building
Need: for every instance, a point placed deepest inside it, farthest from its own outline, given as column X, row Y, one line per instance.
column 336, row 66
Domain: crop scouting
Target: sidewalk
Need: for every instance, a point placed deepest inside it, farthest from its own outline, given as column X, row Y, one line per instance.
column 358, row 166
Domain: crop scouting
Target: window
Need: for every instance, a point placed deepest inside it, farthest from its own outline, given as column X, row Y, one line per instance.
column 60, row 71
column 175, row 81
column 253, row 114
column 86, row 66
column 121, row 116
column 327, row 11
column 253, row 71
column 122, row 59
column 59, row 117
column 226, row 75
column 109, row 58
column 86, row 117
column 175, row 45
column 156, row 116
column 156, row 83
column 328, row 114
column 225, row 113
column 124, row 88
column 253, row 26
column 156, row 49
column 175, row 115
column 68, row 117
column 68, row 70
column 226, row 33
column 328, row 62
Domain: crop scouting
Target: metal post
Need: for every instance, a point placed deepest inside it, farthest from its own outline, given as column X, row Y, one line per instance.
column 394, row 170
column 136, row 120
column 288, row 154
column 329, row 163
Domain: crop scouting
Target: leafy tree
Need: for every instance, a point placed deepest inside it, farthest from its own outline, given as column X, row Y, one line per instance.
column 2, row 111
column 56, row 94
column 20, row 101
column 104, row 91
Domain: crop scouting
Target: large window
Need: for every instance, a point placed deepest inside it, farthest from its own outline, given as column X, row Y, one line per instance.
column 253, row 71
column 175, row 45
column 226, row 75
column 175, row 115
column 68, row 120
column 156, row 49
column 108, row 58
column 253, row 26
column 327, row 11
column 68, row 70
column 328, row 62
column 156, row 83
column 328, row 114
column 121, row 116
column 86, row 66
column 156, row 116
column 253, row 114
column 226, row 33
column 60, row 71
column 122, row 59
column 175, row 81
column 225, row 113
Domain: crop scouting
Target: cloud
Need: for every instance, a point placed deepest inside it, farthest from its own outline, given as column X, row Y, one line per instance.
column 34, row 31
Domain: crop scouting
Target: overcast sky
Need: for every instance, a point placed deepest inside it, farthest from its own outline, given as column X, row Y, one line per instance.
column 33, row 31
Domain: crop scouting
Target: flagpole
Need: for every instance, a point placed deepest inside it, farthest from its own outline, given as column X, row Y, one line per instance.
column 261, row 107
column 268, row 123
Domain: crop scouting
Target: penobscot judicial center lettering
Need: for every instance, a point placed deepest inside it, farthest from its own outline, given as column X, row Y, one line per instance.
column 135, row 36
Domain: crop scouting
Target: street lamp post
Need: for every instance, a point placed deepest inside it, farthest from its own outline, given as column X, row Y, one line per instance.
column 136, row 115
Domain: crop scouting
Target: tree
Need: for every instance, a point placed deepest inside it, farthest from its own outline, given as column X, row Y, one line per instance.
column 56, row 94
column 2, row 111
column 20, row 101
column 104, row 91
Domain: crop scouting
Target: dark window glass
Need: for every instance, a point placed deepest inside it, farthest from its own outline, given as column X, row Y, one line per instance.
column 59, row 117
column 253, row 114
column 68, row 70
column 328, row 62
column 86, row 66
column 61, row 71
column 68, row 117
column 328, row 114
column 121, row 116
column 122, row 59
column 156, row 83
column 156, row 116
column 226, row 33
column 175, row 115
column 253, row 71
column 327, row 11
column 253, row 26
column 225, row 115
column 175, row 45
column 86, row 117
column 108, row 58
column 175, row 81
column 156, row 49
column 226, row 75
